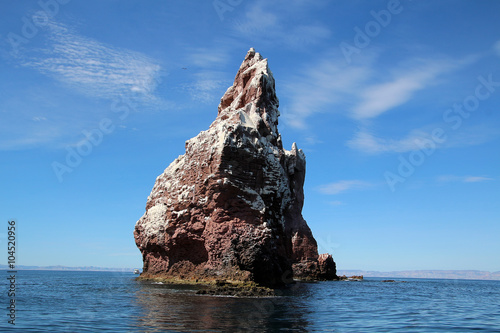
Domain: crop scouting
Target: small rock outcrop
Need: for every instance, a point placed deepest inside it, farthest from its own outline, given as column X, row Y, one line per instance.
column 230, row 208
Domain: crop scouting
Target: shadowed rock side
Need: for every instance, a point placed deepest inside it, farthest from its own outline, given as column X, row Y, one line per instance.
column 230, row 207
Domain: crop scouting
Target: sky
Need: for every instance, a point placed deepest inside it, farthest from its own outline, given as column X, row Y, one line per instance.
column 395, row 104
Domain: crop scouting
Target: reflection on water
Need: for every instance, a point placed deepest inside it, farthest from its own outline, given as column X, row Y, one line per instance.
column 167, row 308
column 367, row 306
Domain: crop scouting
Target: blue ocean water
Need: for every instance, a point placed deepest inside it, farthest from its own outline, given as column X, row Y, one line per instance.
column 62, row 301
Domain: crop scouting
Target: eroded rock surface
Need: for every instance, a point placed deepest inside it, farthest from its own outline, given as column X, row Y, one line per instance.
column 231, row 206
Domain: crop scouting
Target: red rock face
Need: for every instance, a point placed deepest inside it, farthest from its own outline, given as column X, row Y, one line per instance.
column 231, row 206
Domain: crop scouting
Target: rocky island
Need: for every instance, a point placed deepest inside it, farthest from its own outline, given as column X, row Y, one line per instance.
column 230, row 208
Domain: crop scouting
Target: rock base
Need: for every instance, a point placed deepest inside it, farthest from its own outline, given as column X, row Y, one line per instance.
column 214, row 287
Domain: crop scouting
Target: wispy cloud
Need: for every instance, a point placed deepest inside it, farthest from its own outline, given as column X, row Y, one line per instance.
column 39, row 118
column 267, row 21
column 475, row 179
column 417, row 139
column 379, row 98
column 207, row 86
column 327, row 84
column 368, row 143
column 257, row 19
column 99, row 72
column 207, row 58
column 31, row 136
column 364, row 90
column 411, row 77
column 463, row 179
column 92, row 67
column 496, row 47
column 208, row 73
column 344, row 185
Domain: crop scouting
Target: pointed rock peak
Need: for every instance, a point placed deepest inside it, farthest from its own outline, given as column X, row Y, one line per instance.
column 253, row 92
column 251, row 54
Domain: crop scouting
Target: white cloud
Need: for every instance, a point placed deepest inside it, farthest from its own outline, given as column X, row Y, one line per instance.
column 208, row 73
column 368, row 143
column 496, row 47
column 361, row 90
column 380, row 98
column 463, row 179
column 328, row 83
column 418, row 139
column 409, row 78
column 257, row 19
column 206, row 58
column 476, row 179
column 207, row 86
column 31, row 136
column 343, row 185
column 94, row 68
column 312, row 140
column 260, row 22
column 88, row 67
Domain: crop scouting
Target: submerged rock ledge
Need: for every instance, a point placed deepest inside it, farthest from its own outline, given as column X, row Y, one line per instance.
column 230, row 208
column 214, row 287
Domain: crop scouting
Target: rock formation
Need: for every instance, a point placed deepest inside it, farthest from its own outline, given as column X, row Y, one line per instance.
column 231, row 206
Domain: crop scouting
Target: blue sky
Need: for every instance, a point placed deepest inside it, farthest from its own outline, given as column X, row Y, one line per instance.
column 394, row 103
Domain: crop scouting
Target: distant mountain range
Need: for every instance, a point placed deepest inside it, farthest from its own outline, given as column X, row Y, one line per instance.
column 427, row 274
column 418, row 274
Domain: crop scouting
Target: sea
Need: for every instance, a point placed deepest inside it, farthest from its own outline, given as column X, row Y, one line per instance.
column 66, row 301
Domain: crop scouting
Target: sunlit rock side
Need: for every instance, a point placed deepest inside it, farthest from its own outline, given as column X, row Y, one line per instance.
column 231, row 206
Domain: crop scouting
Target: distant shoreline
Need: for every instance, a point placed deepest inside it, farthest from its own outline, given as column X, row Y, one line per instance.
column 417, row 274
column 67, row 268
column 427, row 274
